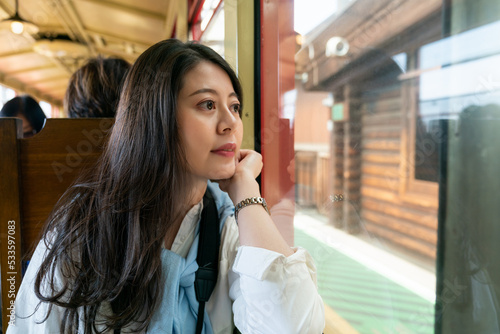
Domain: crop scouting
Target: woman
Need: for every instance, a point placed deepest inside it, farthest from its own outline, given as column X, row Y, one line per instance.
column 120, row 250
column 28, row 110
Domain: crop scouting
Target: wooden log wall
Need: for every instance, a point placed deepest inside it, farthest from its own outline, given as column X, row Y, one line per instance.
column 385, row 212
column 352, row 168
column 337, row 173
column 364, row 165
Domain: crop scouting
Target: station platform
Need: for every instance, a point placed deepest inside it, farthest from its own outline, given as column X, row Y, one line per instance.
column 366, row 289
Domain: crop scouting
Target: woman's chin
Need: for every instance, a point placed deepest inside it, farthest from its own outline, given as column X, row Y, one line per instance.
column 223, row 174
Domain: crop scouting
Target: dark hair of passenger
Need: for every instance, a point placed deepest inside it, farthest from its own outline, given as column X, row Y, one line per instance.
column 94, row 89
column 107, row 231
column 27, row 106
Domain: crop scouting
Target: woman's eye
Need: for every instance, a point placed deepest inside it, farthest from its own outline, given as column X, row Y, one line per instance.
column 209, row 105
column 237, row 108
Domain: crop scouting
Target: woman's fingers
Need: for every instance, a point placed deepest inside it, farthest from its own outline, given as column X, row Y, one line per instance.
column 248, row 167
column 249, row 161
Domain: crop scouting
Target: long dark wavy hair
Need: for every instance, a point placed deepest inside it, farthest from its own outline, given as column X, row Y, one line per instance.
column 106, row 233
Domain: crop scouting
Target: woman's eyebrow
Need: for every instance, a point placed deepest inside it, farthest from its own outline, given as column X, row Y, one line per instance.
column 204, row 90
column 211, row 91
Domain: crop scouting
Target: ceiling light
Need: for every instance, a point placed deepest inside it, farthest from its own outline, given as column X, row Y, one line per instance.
column 17, row 24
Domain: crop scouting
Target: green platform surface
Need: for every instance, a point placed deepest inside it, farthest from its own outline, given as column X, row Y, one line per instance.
column 371, row 303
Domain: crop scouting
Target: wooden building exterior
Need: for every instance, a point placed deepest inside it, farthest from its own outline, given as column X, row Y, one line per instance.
column 379, row 160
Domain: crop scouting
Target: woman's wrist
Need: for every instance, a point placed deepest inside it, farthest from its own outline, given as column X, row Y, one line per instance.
column 250, row 201
column 243, row 187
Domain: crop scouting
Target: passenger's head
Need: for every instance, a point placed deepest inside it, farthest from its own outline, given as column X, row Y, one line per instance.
column 27, row 109
column 94, row 89
column 147, row 116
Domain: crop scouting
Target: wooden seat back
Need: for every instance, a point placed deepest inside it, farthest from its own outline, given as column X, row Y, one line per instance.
column 34, row 173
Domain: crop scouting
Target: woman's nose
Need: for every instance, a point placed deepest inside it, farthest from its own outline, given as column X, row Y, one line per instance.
column 227, row 121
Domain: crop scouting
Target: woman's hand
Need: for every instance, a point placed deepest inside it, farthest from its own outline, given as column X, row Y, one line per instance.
column 243, row 184
column 256, row 227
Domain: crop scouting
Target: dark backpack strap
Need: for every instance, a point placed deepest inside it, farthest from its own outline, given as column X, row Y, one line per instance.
column 208, row 256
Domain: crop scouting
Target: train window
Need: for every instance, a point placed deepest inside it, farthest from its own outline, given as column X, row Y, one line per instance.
column 47, row 108
column 212, row 25
column 396, row 120
column 6, row 94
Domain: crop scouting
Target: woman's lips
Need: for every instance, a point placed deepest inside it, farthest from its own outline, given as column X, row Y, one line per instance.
column 226, row 150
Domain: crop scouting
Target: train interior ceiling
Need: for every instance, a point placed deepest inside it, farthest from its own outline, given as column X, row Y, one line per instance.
column 60, row 35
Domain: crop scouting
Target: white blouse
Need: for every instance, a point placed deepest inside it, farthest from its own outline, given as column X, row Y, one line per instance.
column 258, row 290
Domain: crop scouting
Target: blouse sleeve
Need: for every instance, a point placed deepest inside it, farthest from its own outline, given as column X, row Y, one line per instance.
column 29, row 311
column 275, row 294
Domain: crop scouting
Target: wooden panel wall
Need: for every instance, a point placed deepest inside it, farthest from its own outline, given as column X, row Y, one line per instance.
column 312, row 186
column 385, row 213
column 323, row 187
column 305, row 178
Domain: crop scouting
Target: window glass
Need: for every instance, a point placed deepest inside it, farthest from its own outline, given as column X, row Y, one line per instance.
column 397, row 120
column 212, row 25
column 6, row 94
column 47, row 108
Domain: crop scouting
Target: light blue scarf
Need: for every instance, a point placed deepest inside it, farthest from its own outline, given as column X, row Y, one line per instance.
column 178, row 311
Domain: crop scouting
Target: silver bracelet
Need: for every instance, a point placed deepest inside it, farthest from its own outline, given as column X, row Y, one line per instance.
column 249, row 201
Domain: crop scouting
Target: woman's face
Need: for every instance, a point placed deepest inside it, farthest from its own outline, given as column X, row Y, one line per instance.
column 210, row 126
